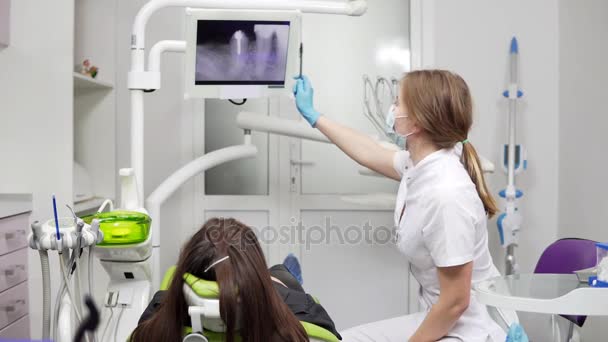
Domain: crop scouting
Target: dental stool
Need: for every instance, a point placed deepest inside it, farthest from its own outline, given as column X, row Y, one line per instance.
column 202, row 297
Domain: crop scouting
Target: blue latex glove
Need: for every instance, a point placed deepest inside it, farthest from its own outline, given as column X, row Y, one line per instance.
column 303, row 92
column 516, row 334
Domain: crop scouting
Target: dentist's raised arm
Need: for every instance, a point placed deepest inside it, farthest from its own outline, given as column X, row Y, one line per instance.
column 358, row 146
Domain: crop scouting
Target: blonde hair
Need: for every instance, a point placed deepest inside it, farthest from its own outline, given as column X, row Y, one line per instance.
column 440, row 103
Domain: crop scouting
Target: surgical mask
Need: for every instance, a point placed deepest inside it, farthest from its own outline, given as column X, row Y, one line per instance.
column 401, row 139
column 390, row 120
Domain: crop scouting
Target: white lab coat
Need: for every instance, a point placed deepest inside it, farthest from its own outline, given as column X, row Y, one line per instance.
column 443, row 224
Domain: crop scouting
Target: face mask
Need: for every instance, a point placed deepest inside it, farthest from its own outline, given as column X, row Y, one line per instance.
column 401, row 139
column 390, row 120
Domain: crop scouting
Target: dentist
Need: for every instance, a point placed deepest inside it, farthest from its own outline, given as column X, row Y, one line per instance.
column 441, row 211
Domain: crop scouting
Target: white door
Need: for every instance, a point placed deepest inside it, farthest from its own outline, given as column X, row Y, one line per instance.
column 294, row 192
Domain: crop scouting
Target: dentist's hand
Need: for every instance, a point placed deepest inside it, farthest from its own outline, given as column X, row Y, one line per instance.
column 303, row 93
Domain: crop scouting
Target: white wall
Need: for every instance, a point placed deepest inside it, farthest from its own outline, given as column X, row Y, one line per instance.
column 583, row 125
column 583, row 120
column 36, row 115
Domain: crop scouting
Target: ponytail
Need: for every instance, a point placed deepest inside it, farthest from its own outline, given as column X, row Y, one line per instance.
column 471, row 162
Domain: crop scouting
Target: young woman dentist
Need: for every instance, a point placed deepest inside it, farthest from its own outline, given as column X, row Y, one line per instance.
column 442, row 206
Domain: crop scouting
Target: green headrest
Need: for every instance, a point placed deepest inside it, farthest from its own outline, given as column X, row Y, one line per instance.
column 210, row 290
column 203, row 288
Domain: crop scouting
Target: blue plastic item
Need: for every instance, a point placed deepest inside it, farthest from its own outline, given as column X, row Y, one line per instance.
column 304, row 93
column 514, row 45
column 593, row 282
column 518, row 193
column 500, row 230
column 506, row 94
column 56, row 219
column 518, row 156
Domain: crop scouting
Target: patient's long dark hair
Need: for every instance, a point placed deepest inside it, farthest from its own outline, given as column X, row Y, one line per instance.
column 245, row 287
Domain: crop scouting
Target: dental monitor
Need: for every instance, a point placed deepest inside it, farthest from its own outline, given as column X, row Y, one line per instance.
column 241, row 54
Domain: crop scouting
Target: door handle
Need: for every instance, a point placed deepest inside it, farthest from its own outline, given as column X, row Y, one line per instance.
column 301, row 162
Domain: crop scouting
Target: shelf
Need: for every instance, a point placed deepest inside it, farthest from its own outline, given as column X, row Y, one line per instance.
column 85, row 82
column 88, row 206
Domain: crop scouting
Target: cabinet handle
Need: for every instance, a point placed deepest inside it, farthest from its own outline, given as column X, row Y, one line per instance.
column 13, row 235
column 11, row 308
column 10, row 272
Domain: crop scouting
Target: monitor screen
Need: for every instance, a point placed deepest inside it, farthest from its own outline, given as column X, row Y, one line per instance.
column 241, row 52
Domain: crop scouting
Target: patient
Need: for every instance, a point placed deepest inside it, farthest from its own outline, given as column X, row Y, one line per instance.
column 267, row 303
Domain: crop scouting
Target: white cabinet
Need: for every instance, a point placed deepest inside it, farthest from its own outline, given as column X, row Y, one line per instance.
column 14, row 229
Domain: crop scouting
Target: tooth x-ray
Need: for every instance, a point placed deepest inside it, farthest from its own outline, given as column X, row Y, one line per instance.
column 243, row 52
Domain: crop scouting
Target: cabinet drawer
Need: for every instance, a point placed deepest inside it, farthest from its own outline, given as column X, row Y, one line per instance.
column 13, row 233
column 18, row 330
column 13, row 304
column 13, row 268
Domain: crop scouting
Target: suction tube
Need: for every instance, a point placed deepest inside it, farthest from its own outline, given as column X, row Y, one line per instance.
column 46, row 294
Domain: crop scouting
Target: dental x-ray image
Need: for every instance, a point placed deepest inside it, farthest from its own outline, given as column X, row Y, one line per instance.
column 241, row 52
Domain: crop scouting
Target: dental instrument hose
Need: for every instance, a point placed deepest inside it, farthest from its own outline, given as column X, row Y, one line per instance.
column 103, row 335
column 77, row 291
column 118, row 321
column 73, row 267
column 46, row 294
column 90, row 271
column 90, row 285
column 66, row 280
column 57, row 308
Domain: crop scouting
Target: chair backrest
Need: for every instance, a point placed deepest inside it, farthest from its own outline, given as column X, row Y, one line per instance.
column 566, row 256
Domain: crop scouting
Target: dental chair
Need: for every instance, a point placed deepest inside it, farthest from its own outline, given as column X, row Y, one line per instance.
column 202, row 297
